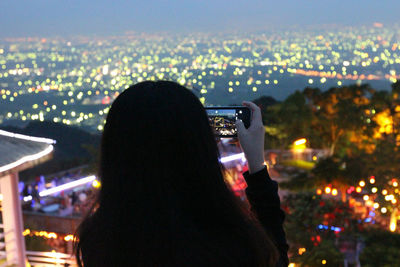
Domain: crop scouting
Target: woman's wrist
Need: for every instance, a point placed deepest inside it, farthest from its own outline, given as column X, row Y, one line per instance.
column 255, row 165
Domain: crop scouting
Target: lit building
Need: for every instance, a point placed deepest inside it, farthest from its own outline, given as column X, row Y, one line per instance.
column 17, row 152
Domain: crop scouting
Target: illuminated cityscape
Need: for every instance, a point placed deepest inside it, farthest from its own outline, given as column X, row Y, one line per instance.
column 325, row 76
column 73, row 81
column 330, row 102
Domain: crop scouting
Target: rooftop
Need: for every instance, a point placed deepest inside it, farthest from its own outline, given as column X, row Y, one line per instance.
column 18, row 152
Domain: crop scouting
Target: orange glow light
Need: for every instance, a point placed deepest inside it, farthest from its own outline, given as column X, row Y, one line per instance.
column 302, row 250
column 334, row 192
column 300, row 142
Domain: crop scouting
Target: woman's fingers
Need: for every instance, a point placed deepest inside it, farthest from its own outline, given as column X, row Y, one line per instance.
column 252, row 139
column 240, row 127
column 256, row 112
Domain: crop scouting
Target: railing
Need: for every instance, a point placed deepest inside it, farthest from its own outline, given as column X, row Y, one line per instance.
column 2, row 247
column 50, row 259
column 38, row 258
column 44, row 259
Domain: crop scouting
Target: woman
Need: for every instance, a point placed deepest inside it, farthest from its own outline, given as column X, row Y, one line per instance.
column 163, row 199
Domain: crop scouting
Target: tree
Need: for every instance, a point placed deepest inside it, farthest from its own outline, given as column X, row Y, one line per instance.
column 287, row 121
column 381, row 249
column 333, row 172
column 265, row 101
column 268, row 106
column 339, row 112
column 387, row 108
column 308, row 226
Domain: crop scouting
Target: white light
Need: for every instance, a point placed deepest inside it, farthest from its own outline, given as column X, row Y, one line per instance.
column 300, row 141
column 232, row 157
column 26, row 159
column 27, row 198
column 67, row 186
column 27, row 137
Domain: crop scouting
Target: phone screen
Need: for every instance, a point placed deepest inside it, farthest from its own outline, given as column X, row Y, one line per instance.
column 222, row 120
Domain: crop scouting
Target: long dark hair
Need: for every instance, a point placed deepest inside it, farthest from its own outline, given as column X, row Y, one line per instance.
column 163, row 200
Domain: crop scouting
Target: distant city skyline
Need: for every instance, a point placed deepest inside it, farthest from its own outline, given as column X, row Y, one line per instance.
column 23, row 18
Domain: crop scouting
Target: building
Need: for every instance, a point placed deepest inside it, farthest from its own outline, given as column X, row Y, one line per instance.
column 17, row 152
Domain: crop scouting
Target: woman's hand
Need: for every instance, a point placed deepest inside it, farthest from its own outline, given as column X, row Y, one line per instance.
column 252, row 139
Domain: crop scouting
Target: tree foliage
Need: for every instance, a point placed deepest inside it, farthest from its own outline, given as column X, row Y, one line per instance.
column 337, row 113
column 306, row 212
column 381, row 249
column 287, row 121
column 360, row 127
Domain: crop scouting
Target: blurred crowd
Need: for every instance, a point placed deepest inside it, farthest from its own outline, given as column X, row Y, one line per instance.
column 70, row 202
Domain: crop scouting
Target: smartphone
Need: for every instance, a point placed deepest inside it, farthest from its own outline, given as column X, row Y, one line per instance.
column 222, row 119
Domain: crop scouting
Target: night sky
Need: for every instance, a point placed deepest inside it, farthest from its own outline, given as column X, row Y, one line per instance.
column 20, row 18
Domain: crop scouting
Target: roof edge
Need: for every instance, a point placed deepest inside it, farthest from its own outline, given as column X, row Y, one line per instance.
column 28, row 137
column 24, row 161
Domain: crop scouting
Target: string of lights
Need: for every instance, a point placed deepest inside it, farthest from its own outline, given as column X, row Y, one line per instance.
column 48, row 235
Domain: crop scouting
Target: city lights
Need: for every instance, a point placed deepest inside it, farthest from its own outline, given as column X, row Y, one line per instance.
column 91, row 82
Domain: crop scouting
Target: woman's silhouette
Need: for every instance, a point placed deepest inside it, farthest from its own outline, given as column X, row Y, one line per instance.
column 163, row 199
